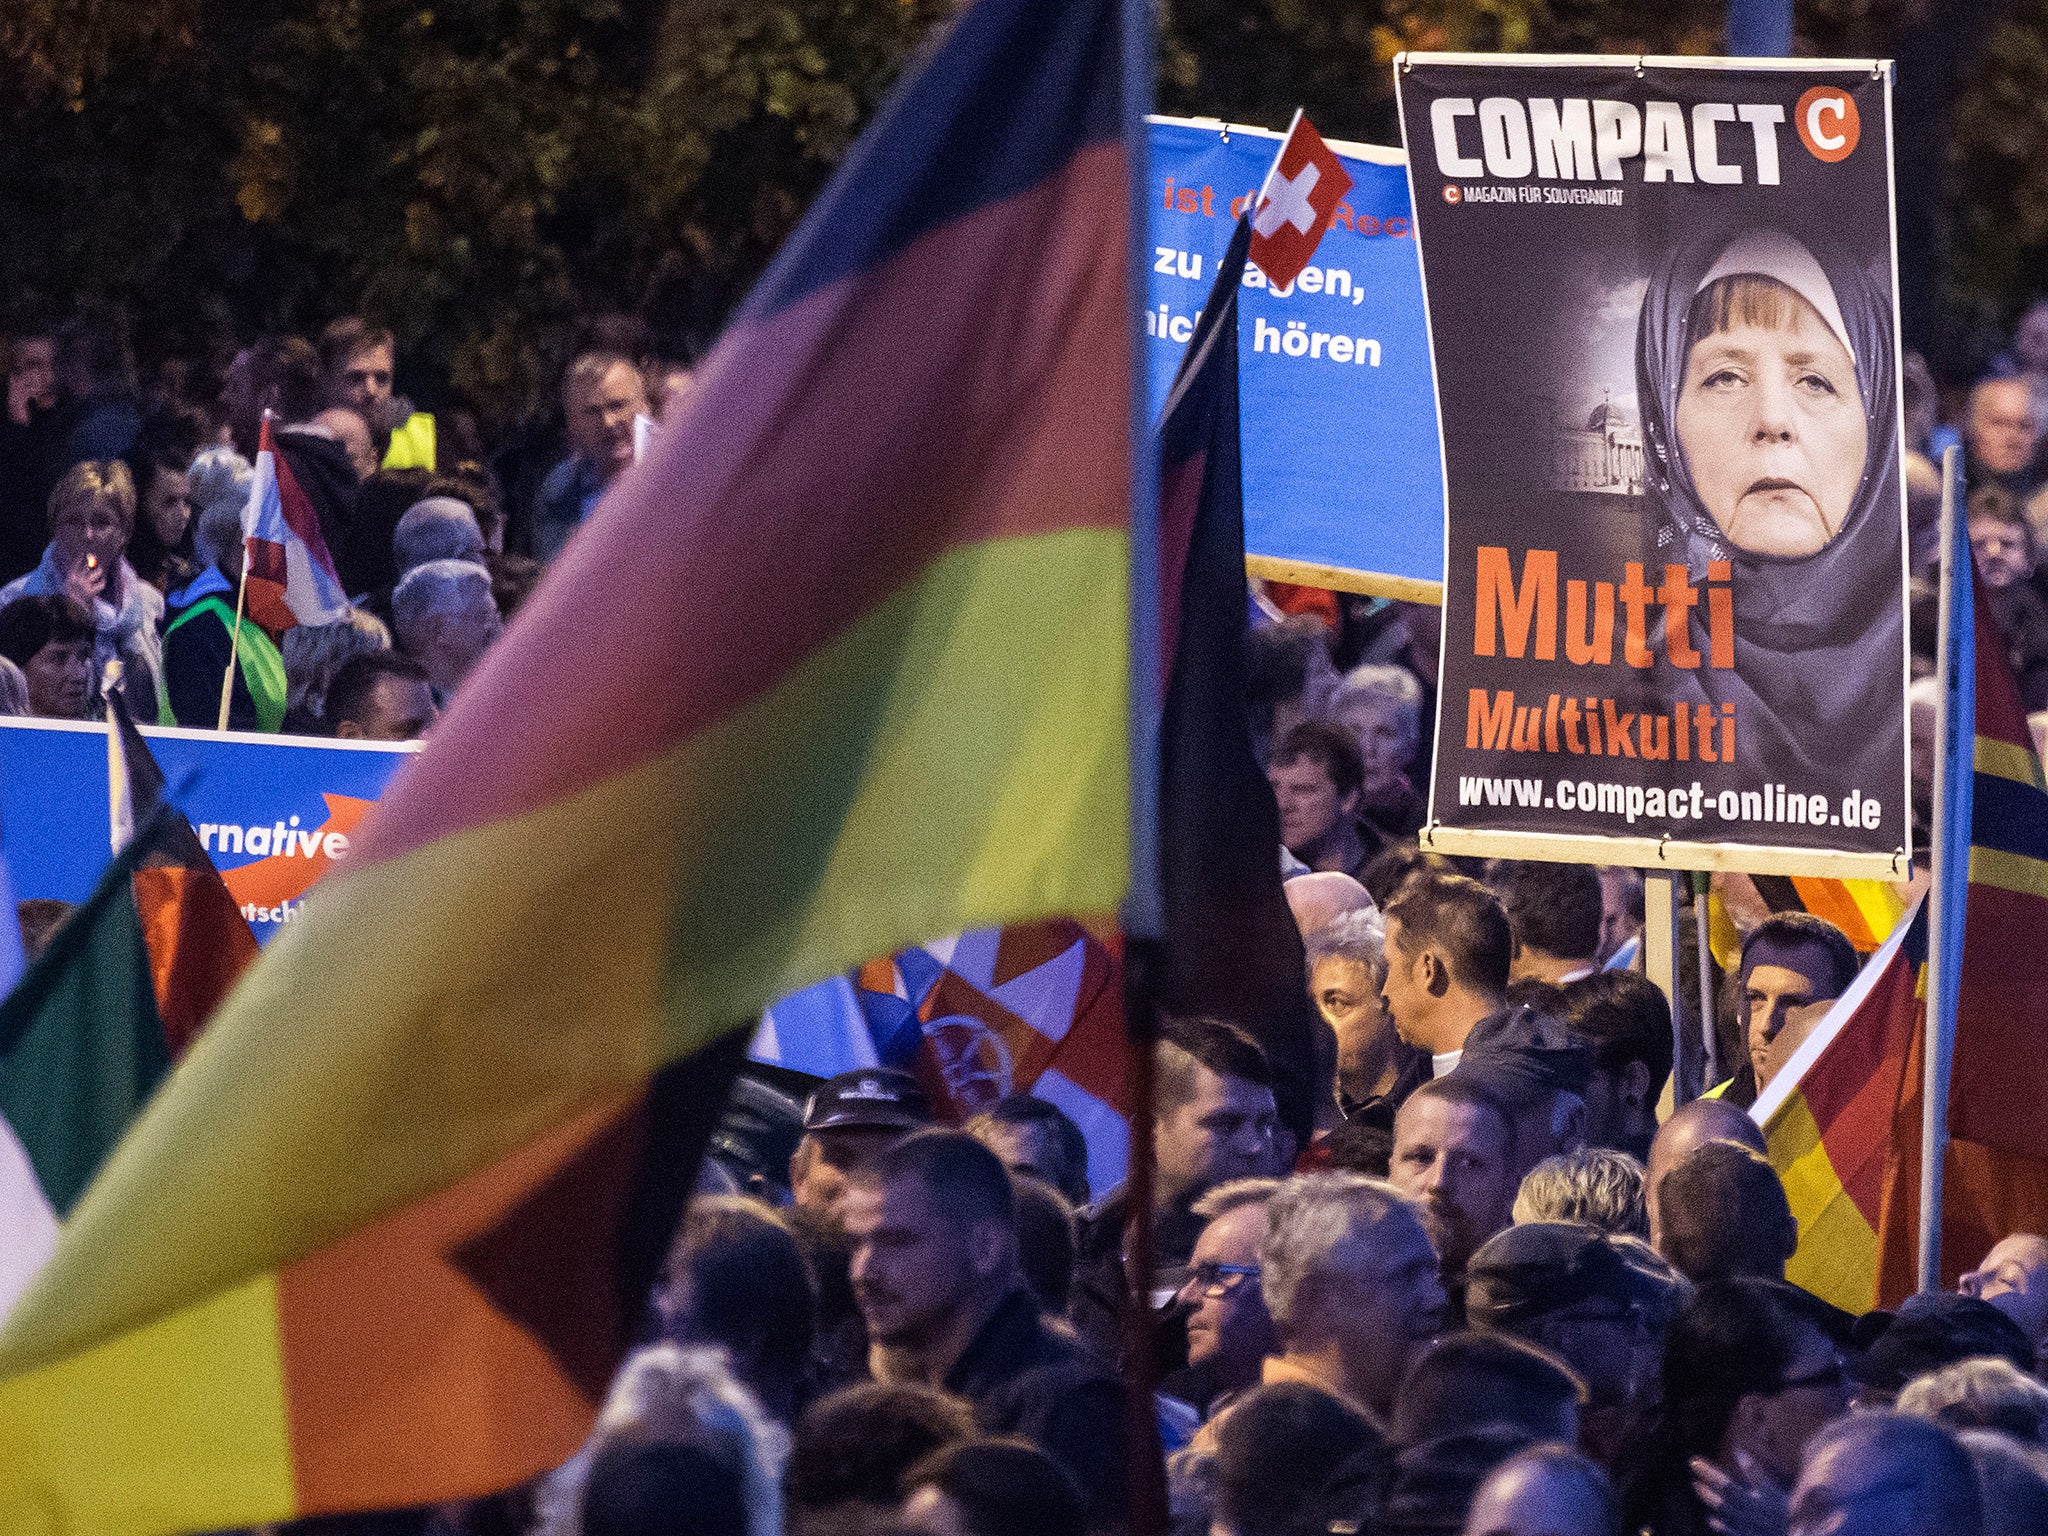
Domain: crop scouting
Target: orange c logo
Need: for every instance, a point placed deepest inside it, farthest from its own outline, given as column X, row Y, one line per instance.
column 1828, row 123
column 1451, row 194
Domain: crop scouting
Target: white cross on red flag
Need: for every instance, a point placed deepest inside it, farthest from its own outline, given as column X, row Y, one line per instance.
column 1295, row 206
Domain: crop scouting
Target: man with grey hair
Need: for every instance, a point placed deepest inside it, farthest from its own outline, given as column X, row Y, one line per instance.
column 1381, row 706
column 1886, row 1474
column 445, row 619
column 1351, row 1282
column 1346, row 965
column 438, row 528
column 601, row 394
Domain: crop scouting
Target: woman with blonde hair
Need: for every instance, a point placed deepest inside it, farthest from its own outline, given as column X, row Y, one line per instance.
column 91, row 518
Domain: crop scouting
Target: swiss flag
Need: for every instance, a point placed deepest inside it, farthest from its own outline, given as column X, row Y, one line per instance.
column 1296, row 204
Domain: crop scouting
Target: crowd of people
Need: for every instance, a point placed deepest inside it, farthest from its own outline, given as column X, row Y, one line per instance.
column 1506, row 1300
column 1523, row 1274
column 121, row 502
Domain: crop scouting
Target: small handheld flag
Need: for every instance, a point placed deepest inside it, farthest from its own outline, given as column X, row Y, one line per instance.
column 1296, row 204
column 288, row 578
column 289, row 575
column 122, row 989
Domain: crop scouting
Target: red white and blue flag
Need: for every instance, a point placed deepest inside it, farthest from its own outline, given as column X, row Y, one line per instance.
column 288, row 575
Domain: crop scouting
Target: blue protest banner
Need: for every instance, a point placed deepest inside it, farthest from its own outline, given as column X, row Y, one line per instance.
column 1343, row 483
column 274, row 812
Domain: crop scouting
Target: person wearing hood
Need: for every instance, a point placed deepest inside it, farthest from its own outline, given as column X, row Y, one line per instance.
column 1529, row 1063
column 92, row 517
column 1765, row 373
column 161, row 462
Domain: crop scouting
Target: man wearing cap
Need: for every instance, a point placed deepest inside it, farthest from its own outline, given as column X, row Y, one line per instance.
column 1531, row 1064
column 1598, row 1301
column 850, row 1121
column 1928, row 1331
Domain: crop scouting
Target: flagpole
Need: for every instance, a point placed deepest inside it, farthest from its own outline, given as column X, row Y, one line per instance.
column 1940, row 1009
column 1144, row 904
column 120, row 799
column 227, row 681
column 1703, row 928
column 1660, row 957
column 1144, row 914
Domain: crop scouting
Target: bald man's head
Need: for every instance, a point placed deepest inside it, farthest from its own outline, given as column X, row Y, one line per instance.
column 2014, row 1279
column 1544, row 1491
column 1886, row 1474
column 1317, row 899
column 1690, row 1128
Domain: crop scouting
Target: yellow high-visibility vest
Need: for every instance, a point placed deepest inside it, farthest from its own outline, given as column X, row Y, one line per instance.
column 412, row 444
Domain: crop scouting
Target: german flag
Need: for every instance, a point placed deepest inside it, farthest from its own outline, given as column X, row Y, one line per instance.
column 98, row 1021
column 1844, row 1119
column 1995, row 1175
column 843, row 665
column 1828, row 1121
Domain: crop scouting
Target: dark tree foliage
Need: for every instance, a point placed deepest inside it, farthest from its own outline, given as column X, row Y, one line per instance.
column 474, row 173
column 480, row 173
column 1971, row 100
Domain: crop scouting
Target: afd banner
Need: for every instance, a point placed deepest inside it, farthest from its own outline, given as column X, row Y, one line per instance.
column 275, row 812
column 1663, row 306
column 1341, row 479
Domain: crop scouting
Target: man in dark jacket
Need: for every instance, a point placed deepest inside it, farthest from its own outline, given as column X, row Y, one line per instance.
column 282, row 375
column 934, row 1231
column 1213, row 1121
column 200, row 637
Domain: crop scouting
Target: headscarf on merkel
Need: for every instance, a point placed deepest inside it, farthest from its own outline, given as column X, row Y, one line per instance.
column 1819, row 638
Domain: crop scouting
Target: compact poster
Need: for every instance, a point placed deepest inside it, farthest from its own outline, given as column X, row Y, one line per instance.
column 1662, row 300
